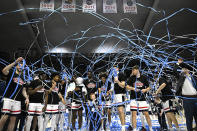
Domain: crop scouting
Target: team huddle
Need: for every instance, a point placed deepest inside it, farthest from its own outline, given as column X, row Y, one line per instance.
column 47, row 97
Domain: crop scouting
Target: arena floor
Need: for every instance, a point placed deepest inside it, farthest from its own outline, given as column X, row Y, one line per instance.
column 116, row 126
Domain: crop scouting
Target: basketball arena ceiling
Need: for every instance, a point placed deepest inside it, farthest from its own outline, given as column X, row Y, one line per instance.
column 39, row 36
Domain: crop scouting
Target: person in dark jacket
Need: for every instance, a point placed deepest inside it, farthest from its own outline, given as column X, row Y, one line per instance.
column 167, row 98
column 187, row 89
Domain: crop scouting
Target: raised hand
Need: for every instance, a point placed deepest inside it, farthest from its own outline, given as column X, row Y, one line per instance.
column 19, row 59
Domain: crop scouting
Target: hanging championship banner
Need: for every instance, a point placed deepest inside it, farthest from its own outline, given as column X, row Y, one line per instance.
column 68, row 5
column 46, row 5
column 109, row 6
column 89, row 5
column 130, row 6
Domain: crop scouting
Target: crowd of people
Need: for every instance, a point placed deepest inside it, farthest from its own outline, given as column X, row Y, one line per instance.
column 31, row 104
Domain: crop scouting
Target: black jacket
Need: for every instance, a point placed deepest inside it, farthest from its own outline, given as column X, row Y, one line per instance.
column 181, row 79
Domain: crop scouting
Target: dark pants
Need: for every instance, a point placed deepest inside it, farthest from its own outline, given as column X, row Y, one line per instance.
column 162, row 121
column 190, row 107
column 95, row 121
column 86, row 113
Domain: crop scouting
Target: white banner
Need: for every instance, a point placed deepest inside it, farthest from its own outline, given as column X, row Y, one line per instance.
column 109, row 6
column 46, row 5
column 68, row 5
column 130, row 6
column 89, row 5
